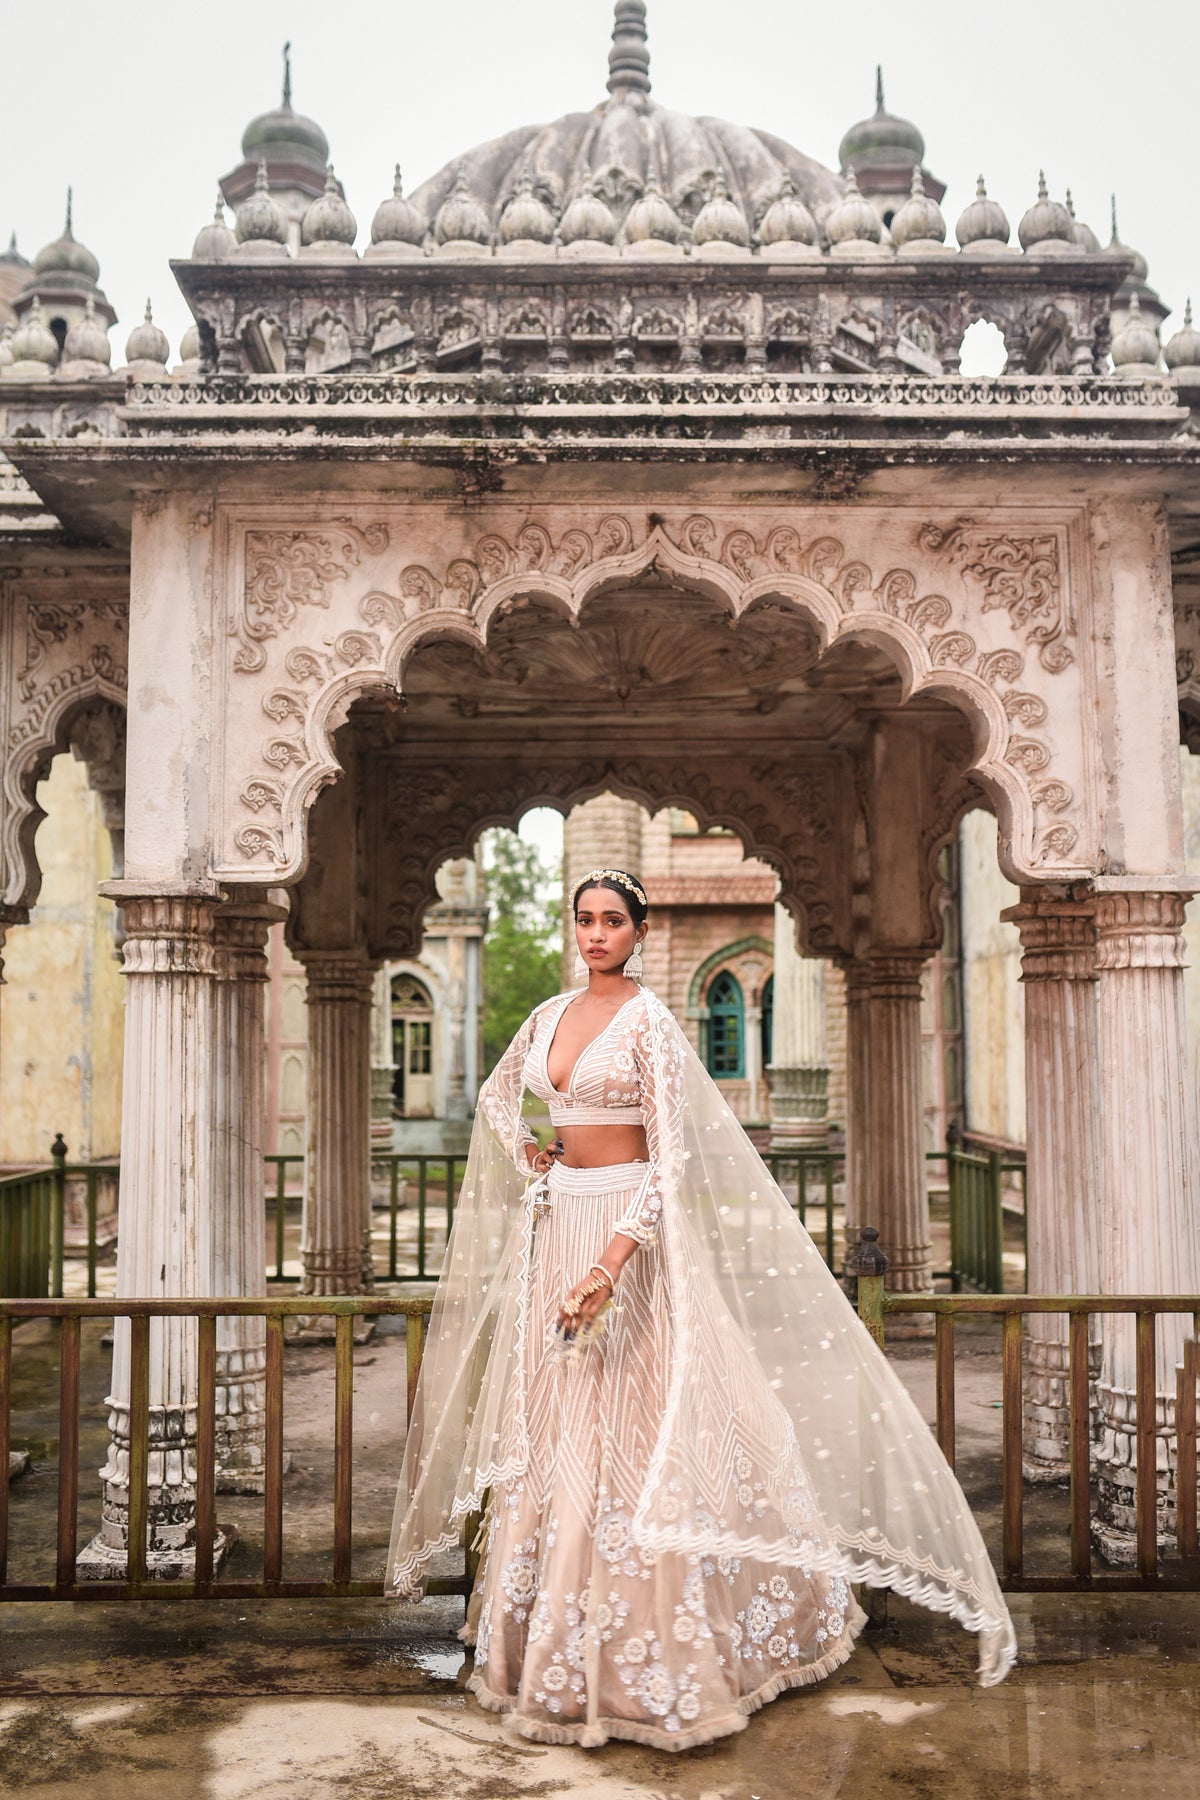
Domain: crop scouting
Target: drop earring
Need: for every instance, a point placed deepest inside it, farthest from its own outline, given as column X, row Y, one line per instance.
column 581, row 968
column 634, row 967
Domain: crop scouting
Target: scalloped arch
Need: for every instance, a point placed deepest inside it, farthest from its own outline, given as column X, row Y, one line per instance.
column 22, row 772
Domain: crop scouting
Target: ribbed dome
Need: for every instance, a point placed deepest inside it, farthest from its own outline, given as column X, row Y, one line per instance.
column 1047, row 221
column 883, row 138
column 626, row 143
column 526, row 217
column 653, row 218
column 787, row 220
column 919, row 220
column 147, row 342
column 33, row 340
column 1135, row 347
column 853, row 219
column 283, row 135
column 87, row 340
column 719, row 221
column 215, row 241
column 329, row 220
column 984, row 221
column 460, row 218
column 67, row 260
column 259, row 218
column 397, row 220
column 1183, row 350
column 1141, row 268
column 588, row 218
column 1082, row 234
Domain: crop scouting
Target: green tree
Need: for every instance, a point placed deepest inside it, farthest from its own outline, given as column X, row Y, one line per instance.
column 522, row 949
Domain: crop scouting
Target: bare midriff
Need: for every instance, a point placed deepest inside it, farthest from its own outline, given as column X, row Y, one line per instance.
column 596, row 1146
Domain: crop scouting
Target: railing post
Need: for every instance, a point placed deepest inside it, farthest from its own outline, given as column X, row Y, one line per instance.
column 58, row 1222
column 995, row 1222
column 868, row 1266
column 954, row 1195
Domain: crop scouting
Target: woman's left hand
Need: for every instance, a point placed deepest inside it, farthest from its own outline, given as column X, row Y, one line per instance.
column 589, row 1307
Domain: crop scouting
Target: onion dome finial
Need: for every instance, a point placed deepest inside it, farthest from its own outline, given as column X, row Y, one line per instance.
column 920, row 219
column 33, row 341
column 329, row 220
column 214, row 242
column 721, row 220
column 1183, row 350
column 652, row 218
column 259, row 219
column 787, row 220
column 461, row 219
column 526, row 217
column 86, row 342
column 853, row 219
column 588, row 217
column 1046, row 222
column 397, row 220
column 983, row 221
column 1135, row 348
column 1082, row 234
column 66, row 259
column 148, row 343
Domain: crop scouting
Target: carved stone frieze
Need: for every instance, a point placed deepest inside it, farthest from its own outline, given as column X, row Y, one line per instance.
column 63, row 651
column 976, row 615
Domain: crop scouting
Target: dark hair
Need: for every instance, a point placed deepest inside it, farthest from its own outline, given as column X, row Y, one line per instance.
column 616, row 881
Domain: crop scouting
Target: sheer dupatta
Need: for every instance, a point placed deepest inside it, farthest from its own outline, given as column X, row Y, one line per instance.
column 830, row 1421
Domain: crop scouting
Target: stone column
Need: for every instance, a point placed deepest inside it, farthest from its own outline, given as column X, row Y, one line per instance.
column 164, row 1246
column 335, row 1248
column 859, row 1203
column 897, row 1119
column 383, row 1073
column 1063, row 1170
column 238, row 1211
column 799, row 1061
column 1150, row 1229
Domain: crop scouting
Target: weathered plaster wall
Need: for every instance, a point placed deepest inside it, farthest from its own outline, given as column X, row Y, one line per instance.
column 1189, row 770
column 63, row 1005
column 993, row 998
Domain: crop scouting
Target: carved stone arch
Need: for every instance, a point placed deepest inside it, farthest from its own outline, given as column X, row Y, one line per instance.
column 78, row 722
column 327, row 340
column 262, row 334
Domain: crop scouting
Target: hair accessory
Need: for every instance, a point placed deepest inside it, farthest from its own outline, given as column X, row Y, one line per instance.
column 635, row 968
column 617, row 875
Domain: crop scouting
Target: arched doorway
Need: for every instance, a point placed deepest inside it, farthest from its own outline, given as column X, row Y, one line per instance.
column 412, row 1049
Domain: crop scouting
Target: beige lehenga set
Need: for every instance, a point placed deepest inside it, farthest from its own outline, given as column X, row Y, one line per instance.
column 674, row 1511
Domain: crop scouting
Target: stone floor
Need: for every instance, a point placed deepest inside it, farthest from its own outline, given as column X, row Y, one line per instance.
column 362, row 1700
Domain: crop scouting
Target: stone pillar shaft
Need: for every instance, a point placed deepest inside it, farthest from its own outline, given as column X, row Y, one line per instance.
column 238, row 1218
column 335, row 1249
column 898, row 1193
column 1063, row 1171
column 799, row 1057
column 1150, row 1232
column 164, row 1247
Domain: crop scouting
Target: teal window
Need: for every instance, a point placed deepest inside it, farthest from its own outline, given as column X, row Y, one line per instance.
column 726, row 1027
column 768, row 1022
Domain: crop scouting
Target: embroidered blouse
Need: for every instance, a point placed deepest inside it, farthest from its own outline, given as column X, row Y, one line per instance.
column 613, row 1083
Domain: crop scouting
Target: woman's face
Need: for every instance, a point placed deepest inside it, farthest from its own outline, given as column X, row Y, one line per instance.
column 604, row 929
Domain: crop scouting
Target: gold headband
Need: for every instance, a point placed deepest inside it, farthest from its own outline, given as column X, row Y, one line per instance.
column 617, row 875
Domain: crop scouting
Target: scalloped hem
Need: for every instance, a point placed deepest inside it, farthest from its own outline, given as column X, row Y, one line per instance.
column 592, row 1735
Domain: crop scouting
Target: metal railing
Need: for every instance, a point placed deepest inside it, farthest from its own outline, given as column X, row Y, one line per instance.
column 33, row 1204
column 876, row 1306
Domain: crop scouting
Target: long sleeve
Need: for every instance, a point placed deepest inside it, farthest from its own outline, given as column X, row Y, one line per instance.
column 658, row 1054
column 501, row 1094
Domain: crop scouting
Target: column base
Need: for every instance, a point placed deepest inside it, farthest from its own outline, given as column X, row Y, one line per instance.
column 102, row 1561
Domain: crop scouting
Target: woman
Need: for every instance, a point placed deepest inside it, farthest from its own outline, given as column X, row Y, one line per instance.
column 686, row 1443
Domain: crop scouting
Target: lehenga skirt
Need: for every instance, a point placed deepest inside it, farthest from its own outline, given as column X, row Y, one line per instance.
column 579, row 1635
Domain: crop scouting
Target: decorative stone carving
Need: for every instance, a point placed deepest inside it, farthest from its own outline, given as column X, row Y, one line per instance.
column 961, row 638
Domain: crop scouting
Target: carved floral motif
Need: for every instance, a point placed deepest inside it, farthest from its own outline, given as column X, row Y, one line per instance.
column 285, row 570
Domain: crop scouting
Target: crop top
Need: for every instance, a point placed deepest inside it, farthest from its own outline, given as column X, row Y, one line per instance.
column 612, row 1083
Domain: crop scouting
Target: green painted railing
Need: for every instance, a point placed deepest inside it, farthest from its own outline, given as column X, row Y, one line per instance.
column 33, row 1205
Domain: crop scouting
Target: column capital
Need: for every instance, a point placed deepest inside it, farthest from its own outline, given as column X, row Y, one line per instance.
column 1058, row 936
column 240, row 935
column 337, row 975
column 167, row 934
column 1140, row 930
column 896, row 974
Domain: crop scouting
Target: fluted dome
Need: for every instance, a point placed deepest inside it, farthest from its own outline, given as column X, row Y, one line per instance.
column 66, row 259
column 588, row 218
column 1082, row 234
column 984, row 221
column 147, row 342
column 881, row 139
column 653, row 219
column 329, row 220
column 33, row 341
column 719, row 221
column 526, row 217
column 397, row 220
column 460, row 218
column 1183, row 350
column 87, row 340
column 214, row 242
column 259, row 219
column 787, row 220
column 919, row 220
column 853, row 219
column 1135, row 347
column 1141, row 268
column 1046, row 222
column 623, row 147
column 189, row 344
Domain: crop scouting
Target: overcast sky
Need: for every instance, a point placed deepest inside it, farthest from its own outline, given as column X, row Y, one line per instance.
column 142, row 107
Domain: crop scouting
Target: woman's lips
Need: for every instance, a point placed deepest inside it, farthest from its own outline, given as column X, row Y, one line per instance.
column 597, row 953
